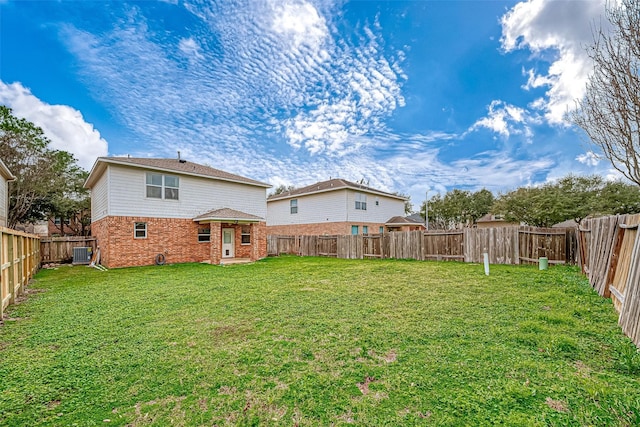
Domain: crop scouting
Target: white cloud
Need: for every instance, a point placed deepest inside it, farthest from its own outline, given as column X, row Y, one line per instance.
column 63, row 125
column 271, row 62
column 558, row 30
column 190, row 48
column 300, row 23
column 589, row 158
column 505, row 120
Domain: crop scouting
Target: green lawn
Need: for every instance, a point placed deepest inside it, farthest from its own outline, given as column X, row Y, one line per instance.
column 314, row 341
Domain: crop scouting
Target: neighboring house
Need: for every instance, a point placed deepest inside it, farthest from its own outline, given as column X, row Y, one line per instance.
column 74, row 226
column 147, row 210
column 39, row 228
column 5, row 177
column 336, row 206
column 490, row 220
column 404, row 223
column 570, row 223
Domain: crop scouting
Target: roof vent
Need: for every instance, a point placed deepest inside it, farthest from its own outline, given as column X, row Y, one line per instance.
column 181, row 160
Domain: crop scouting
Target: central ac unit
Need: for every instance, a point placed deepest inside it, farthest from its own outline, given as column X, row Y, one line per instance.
column 82, row 255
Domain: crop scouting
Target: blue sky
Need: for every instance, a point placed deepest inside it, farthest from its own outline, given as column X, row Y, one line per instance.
column 409, row 96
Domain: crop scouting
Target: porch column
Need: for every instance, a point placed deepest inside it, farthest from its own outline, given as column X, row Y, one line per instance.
column 216, row 242
column 254, row 242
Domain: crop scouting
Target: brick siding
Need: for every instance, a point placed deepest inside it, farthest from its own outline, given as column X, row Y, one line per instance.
column 176, row 239
column 323, row 228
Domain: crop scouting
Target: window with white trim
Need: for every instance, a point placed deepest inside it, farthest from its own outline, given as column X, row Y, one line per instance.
column 293, row 205
column 140, row 230
column 361, row 201
column 160, row 186
column 204, row 234
column 245, row 235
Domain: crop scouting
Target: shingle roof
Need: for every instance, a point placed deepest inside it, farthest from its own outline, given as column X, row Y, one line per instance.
column 172, row 165
column 401, row 220
column 331, row 185
column 227, row 214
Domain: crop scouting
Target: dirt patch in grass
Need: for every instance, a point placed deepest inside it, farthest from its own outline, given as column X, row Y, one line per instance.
column 227, row 391
column 391, row 357
column 364, row 385
column 558, row 405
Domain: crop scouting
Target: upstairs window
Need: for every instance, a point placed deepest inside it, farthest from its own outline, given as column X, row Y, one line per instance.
column 293, row 205
column 361, row 201
column 161, row 186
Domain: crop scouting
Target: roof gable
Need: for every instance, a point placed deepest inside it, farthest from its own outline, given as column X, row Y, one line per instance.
column 5, row 172
column 178, row 166
column 331, row 185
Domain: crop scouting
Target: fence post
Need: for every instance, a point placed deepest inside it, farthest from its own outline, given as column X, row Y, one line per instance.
column 12, row 278
column 2, row 249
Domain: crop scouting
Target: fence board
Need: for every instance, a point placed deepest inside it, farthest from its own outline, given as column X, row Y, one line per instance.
column 60, row 249
column 630, row 313
column 19, row 261
column 443, row 245
column 505, row 245
column 624, row 262
column 603, row 236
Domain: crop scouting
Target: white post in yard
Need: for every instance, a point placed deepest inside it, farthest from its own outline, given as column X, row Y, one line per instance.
column 486, row 263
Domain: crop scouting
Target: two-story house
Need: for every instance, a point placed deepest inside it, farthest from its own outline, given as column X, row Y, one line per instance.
column 147, row 211
column 336, row 206
column 5, row 177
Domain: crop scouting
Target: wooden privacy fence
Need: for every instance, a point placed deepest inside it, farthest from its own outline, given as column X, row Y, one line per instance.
column 60, row 249
column 610, row 257
column 20, row 260
column 505, row 245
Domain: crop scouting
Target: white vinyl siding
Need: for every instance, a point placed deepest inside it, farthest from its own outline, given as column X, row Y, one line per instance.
column 324, row 207
column 387, row 207
column 99, row 197
column 127, row 196
column 333, row 206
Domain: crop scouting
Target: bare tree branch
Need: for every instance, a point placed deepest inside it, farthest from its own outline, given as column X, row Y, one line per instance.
column 610, row 111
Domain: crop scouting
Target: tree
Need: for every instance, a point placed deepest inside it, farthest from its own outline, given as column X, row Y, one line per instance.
column 571, row 197
column 619, row 198
column 73, row 206
column 458, row 208
column 481, row 203
column 609, row 113
column 44, row 177
column 533, row 206
column 280, row 189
